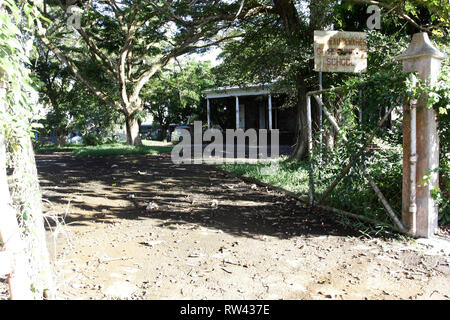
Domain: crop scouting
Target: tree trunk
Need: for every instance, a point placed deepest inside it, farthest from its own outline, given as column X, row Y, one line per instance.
column 288, row 14
column 290, row 18
column 319, row 14
column 132, row 126
column 319, row 17
column 301, row 143
column 164, row 129
column 60, row 136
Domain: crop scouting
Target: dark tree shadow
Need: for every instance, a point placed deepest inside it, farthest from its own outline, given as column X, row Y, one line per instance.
column 138, row 180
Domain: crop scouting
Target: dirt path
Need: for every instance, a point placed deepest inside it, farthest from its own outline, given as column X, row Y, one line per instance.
column 207, row 236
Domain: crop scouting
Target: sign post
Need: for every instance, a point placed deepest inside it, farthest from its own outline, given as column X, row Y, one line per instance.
column 340, row 51
column 334, row 51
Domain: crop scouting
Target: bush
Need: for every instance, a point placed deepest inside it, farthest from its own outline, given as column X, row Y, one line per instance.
column 112, row 139
column 91, row 139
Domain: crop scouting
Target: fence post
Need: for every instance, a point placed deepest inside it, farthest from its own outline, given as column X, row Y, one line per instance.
column 421, row 57
column 310, row 149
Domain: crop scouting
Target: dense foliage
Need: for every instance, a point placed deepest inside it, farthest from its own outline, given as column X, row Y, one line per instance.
column 175, row 95
column 264, row 54
column 132, row 41
column 17, row 111
column 69, row 106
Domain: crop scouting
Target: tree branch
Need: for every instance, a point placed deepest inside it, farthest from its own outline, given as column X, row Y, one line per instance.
column 94, row 49
column 66, row 61
column 399, row 12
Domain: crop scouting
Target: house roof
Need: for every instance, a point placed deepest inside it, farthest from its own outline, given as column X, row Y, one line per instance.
column 237, row 91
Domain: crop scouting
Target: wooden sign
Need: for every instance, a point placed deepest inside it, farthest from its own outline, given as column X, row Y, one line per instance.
column 340, row 51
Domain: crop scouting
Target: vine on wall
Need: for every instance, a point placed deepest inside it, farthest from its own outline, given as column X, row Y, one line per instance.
column 16, row 114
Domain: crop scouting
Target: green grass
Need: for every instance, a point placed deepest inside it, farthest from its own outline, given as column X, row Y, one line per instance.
column 286, row 174
column 111, row 149
column 54, row 148
column 117, row 149
column 352, row 194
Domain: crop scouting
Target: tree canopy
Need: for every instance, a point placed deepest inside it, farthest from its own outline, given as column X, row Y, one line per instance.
column 131, row 41
column 174, row 95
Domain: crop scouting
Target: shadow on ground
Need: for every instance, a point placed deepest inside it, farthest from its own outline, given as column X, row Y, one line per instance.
column 104, row 189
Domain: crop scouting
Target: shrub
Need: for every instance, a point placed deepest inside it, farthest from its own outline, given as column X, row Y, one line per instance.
column 92, row 139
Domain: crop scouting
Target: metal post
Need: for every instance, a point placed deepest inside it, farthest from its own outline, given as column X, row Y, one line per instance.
column 360, row 115
column 320, row 80
column 320, row 114
column 320, row 125
column 310, row 150
column 412, row 221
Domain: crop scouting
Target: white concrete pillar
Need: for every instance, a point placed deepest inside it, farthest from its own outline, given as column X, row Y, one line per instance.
column 208, row 112
column 270, row 112
column 422, row 57
column 237, row 112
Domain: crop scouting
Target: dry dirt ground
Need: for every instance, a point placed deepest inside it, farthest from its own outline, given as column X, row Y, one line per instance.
column 140, row 227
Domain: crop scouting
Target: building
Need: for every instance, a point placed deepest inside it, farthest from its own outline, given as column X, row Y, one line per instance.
column 256, row 106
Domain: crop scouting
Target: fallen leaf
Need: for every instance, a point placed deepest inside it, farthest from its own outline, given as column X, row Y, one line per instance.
column 152, row 243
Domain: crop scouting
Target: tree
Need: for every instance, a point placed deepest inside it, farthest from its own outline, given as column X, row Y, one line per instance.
column 131, row 41
column 55, row 92
column 174, row 96
column 432, row 16
column 278, row 43
column 71, row 106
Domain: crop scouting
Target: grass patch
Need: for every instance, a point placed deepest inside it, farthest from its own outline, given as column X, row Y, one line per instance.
column 110, row 149
column 54, row 148
column 116, row 149
column 284, row 173
column 353, row 193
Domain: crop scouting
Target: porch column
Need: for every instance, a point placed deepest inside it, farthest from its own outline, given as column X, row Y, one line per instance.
column 422, row 57
column 270, row 112
column 208, row 112
column 237, row 112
